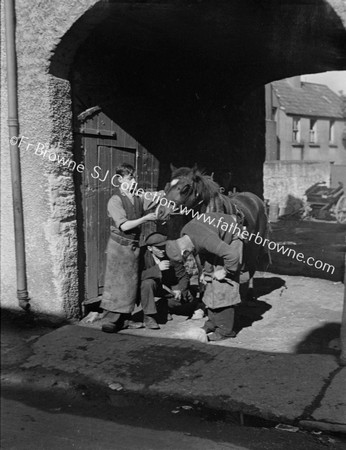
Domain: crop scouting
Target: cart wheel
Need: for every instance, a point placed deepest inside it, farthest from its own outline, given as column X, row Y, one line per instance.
column 340, row 210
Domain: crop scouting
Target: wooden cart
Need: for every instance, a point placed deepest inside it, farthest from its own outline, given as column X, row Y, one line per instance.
column 327, row 203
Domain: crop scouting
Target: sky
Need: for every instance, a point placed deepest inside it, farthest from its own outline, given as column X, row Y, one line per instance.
column 335, row 80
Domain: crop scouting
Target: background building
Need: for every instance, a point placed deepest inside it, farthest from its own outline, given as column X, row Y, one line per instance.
column 307, row 123
column 305, row 141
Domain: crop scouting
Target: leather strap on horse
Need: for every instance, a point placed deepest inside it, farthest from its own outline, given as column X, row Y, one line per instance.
column 240, row 215
column 235, row 210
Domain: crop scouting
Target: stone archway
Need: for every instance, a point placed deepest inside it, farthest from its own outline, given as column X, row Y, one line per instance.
column 188, row 82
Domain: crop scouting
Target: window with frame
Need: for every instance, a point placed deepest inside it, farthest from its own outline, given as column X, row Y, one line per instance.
column 331, row 131
column 313, row 131
column 296, row 129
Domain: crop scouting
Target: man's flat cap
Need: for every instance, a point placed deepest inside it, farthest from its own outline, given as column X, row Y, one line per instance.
column 155, row 239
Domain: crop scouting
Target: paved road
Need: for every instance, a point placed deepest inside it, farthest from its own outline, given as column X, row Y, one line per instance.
column 49, row 421
column 29, row 428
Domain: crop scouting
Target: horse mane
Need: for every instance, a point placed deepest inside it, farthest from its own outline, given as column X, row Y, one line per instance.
column 180, row 172
column 203, row 185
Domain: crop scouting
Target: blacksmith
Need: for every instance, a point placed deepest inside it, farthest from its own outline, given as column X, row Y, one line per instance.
column 121, row 276
column 216, row 239
column 160, row 278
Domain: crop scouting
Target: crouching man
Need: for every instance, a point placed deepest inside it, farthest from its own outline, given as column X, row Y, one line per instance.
column 160, row 278
column 217, row 240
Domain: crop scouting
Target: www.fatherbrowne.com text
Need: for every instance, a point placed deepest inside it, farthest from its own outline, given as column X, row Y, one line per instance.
column 54, row 155
column 259, row 240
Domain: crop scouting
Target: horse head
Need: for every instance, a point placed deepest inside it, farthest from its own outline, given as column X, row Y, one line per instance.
column 189, row 187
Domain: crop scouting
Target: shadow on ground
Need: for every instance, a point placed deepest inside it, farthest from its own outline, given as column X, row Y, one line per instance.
column 264, row 286
column 84, row 361
column 317, row 341
column 86, row 400
column 246, row 313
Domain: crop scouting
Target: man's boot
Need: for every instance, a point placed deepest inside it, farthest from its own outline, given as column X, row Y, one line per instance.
column 131, row 324
column 216, row 336
column 150, row 322
column 111, row 322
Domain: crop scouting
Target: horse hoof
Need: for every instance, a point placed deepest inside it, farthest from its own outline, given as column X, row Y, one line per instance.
column 197, row 334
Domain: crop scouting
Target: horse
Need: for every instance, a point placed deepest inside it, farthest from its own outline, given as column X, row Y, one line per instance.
column 191, row 189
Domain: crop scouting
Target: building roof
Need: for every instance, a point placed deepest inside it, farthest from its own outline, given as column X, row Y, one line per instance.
column 310, row 99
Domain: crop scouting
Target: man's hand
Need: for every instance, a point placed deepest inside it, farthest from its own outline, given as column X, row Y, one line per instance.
column 202, row 279
column 205, row 277
column 149, row 217
column 164, row 265
column 177, row 294
column 220, row 274
column 186, row 296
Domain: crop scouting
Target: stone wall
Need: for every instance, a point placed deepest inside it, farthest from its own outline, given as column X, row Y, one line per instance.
column 48, row 189
column 285, row 182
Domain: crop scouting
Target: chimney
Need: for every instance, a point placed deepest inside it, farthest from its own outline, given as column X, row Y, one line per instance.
column 295, row 81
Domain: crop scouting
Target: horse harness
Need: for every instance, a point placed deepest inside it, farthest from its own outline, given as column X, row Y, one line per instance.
column 235, row 209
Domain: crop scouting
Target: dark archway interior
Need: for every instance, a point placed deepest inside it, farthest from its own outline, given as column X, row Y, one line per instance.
column 186, row 80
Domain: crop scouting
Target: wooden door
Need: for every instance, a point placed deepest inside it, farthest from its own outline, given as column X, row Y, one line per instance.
column 105, row 146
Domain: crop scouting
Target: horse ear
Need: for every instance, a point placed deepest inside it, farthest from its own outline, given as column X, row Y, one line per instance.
column 195, row 170
column 172, row 167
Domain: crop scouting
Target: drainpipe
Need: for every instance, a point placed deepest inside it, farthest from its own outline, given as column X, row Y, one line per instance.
column 13, row 128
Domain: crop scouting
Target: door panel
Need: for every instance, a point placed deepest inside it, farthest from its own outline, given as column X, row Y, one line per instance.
column 107, row 146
